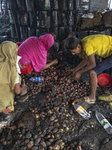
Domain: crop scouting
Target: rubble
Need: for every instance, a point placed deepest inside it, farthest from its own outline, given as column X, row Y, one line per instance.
column 88, row 22
column 46, row 119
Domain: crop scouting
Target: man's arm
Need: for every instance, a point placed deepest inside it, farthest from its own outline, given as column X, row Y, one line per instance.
column 92, row 64
column 18, row 89
column 82, row 64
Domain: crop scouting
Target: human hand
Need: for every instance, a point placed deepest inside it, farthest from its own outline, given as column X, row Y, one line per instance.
column 23, row 85
column 55, row 62
column 7, row 111
column 77, row 76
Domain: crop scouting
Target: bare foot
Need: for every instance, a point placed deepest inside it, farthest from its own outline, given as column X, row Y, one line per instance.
column 92, row 99
column 89, row 100
column 6, row 111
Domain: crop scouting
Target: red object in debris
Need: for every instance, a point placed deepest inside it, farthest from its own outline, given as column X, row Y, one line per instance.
column 8, row 127
column 14, row 127
column 18, row 43
column 25, row 69
column 104, row 80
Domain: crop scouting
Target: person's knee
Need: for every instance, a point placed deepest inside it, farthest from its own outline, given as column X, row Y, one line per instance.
column 92, row 73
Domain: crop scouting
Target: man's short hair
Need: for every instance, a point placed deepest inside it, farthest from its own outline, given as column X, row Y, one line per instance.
column 71, row 43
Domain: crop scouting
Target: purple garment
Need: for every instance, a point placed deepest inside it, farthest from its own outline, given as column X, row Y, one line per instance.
column 34, row 50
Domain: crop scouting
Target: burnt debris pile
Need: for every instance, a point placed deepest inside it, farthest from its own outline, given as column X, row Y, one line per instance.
column 46, row 120
column 38, row 17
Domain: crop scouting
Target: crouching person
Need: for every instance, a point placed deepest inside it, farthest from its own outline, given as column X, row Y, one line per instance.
column 9, row 77
column 90, row 46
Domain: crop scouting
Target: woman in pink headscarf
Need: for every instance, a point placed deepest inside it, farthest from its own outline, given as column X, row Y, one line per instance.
column 33, row 52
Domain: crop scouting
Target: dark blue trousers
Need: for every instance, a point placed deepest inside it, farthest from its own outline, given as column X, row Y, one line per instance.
column 104, row 65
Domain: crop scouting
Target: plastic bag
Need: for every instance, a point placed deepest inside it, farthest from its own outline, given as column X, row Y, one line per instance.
column 89, row 15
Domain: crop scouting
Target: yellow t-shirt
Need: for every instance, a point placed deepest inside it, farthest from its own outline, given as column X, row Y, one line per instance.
column 98, row 44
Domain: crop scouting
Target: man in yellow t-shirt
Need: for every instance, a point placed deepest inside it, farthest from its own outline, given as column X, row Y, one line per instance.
column 90, row 46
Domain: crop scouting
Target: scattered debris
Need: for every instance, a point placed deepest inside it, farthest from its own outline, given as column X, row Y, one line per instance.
column 47, row 119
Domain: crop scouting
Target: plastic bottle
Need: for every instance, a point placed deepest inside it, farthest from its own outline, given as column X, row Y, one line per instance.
column 104, row 122
column 81, row 111
column 37, row 79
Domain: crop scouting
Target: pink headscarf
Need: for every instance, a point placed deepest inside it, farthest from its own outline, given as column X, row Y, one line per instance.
column 34, row 50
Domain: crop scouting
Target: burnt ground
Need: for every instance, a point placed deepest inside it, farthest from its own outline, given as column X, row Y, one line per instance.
column 45, row 118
